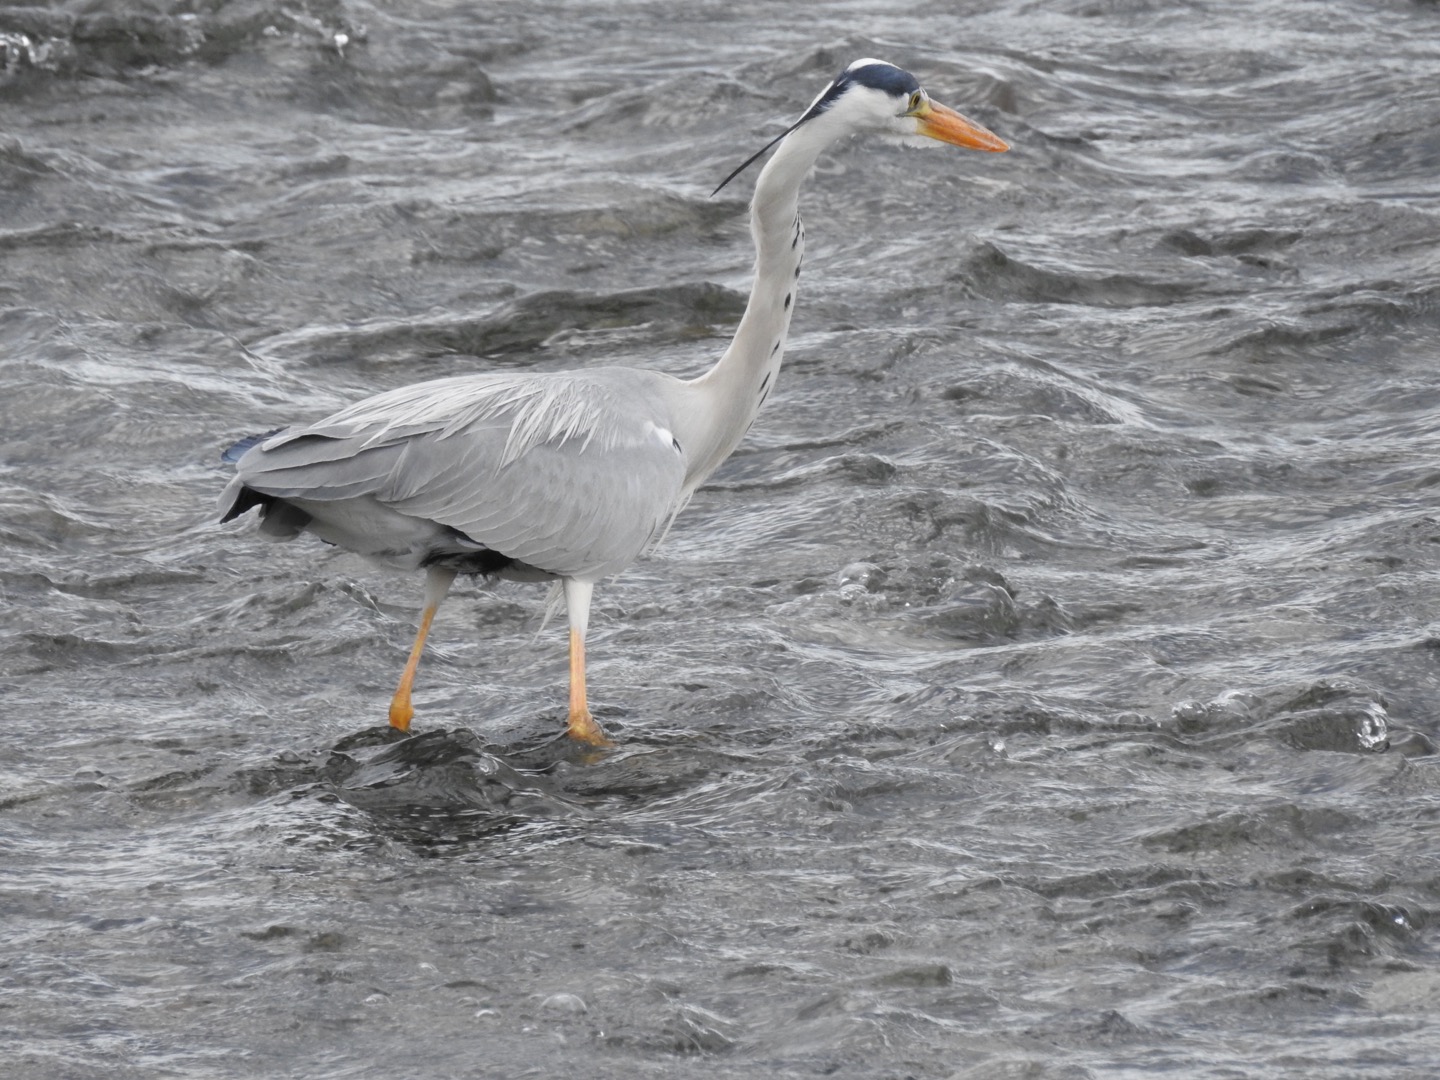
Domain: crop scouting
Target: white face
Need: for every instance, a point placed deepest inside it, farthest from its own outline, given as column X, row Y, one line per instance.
column 864, row 109
column 870, row 109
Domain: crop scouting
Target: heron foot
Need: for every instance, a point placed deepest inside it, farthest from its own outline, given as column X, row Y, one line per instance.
column 401, row 713
column 583, row 728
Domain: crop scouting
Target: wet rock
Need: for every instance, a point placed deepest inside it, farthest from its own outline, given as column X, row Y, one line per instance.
column 693, row 1030
column 918, row 975
column 1325, row 715
column 568, row 1004
column 975, row 611
column 858, row 580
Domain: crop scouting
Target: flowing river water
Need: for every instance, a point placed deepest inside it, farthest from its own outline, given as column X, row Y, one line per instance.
column 1048, row 687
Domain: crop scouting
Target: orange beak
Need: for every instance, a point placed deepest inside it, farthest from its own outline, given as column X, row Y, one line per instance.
column 940, row 122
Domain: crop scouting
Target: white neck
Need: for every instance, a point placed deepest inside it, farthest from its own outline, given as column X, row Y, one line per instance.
column 721, row 404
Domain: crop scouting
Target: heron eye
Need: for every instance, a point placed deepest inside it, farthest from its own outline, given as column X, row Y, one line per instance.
column 917, row 99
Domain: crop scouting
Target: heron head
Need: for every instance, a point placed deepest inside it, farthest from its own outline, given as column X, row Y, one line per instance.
column 873, row 96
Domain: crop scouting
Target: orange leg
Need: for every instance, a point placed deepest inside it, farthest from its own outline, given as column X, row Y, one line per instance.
column 437, row 584
column 581, row 726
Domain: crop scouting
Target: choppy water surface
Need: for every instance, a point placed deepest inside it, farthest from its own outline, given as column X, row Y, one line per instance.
column 1047, row 688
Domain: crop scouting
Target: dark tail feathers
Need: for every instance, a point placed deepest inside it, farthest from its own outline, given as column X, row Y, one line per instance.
column 235, row 452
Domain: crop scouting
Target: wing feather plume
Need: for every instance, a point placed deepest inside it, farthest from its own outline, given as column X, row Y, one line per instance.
column 563, row 472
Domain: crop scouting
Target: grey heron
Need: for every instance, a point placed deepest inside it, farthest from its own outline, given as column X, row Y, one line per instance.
column 566, row 476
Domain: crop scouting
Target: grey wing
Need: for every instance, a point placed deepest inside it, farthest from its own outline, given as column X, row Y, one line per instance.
column 584, row 511
column 571, row 474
